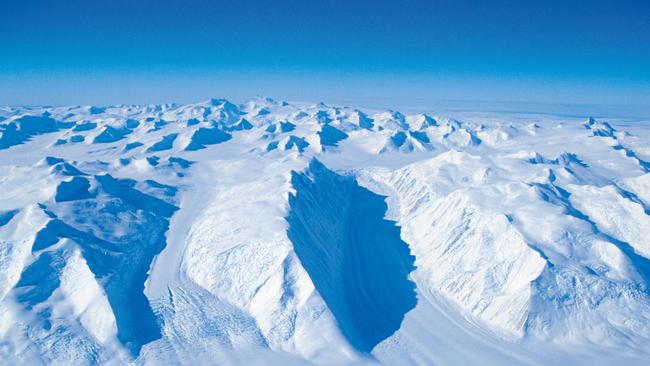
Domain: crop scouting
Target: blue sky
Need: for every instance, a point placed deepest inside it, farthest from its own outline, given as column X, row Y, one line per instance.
column 86, row 51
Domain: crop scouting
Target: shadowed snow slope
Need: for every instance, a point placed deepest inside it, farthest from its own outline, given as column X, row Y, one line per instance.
column 355, row 257
column 118, row 231
column 271, row 232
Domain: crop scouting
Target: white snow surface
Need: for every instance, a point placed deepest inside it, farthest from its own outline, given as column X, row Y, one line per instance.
column 294, row 233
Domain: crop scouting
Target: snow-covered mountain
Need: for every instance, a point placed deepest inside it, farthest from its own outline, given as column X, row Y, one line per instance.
column 291, row 233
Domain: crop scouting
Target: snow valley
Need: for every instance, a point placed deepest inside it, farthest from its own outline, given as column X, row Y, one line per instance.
column 295, row 233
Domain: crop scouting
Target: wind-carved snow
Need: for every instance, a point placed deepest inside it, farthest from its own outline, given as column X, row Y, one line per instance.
column 290, row 233
column 460, row 249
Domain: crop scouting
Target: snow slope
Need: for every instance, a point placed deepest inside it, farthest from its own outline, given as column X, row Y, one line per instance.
column 295, row 233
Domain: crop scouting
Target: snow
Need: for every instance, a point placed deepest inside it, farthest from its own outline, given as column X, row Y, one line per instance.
column 86, row 300
column 355, row 258
column 111, row 134
column 206, row 136
column 330, row 135
column 612, row 211
column 292, row 233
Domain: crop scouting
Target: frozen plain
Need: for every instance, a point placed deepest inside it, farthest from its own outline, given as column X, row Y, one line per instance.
column 293, row 233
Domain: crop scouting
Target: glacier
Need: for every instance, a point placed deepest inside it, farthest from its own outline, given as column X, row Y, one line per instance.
column 272, row 232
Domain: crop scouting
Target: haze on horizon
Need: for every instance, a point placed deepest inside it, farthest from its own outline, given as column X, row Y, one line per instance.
column 92, row 52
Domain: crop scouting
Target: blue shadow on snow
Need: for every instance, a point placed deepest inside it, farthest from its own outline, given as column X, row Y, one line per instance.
column 354, row 256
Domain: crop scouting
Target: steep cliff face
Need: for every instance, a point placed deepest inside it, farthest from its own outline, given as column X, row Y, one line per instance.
column 355, row 258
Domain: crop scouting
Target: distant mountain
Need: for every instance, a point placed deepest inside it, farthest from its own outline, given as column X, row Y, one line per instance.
column 291, row 233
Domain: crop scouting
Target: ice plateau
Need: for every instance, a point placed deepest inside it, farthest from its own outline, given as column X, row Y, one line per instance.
column 294, row 233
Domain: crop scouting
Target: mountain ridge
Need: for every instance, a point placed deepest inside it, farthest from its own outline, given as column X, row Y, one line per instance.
column 310, row 233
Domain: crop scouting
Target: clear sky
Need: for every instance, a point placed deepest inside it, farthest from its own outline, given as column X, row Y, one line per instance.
column 142, row 51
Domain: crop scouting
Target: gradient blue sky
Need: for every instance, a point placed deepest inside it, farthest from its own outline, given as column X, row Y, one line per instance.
column 141, row 51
